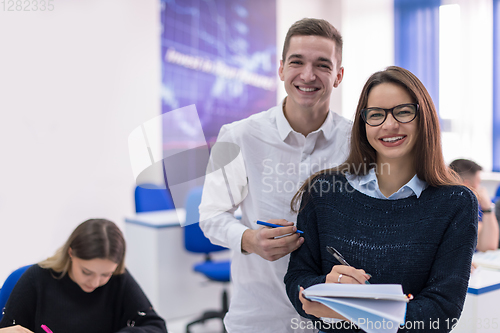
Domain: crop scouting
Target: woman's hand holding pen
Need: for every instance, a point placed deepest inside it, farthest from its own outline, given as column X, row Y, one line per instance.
column 272, row 243
column 347, row 274
column 350, row 274
column 15, row 329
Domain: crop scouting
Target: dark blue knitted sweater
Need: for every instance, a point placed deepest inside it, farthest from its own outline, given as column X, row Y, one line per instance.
column 425, row 244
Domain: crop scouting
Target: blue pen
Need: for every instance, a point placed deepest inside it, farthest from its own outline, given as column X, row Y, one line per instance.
column 276, row 226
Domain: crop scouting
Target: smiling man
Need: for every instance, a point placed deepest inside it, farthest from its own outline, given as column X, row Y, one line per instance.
column 301, row 133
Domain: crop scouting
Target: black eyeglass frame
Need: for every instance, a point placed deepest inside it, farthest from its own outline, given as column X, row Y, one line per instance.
column 387, row 111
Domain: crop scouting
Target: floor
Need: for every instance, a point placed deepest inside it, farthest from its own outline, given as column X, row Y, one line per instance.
column 179, row 326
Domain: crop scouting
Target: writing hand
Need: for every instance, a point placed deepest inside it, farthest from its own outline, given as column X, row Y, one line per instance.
column 15, row 329
column 349, row 275
column 272, row 243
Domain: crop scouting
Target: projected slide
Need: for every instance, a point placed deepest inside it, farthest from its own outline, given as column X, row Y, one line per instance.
column 219, row 55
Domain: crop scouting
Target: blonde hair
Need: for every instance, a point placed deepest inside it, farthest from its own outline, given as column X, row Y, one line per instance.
column 94, row 238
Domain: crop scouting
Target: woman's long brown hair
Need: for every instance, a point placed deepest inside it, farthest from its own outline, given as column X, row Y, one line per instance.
column 429, row 161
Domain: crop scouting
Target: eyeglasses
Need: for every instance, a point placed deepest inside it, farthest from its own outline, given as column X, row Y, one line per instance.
column 403, row 113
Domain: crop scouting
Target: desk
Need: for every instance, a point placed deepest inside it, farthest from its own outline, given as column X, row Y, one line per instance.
column 481, row 312
column 157, row 259
column 159, row 219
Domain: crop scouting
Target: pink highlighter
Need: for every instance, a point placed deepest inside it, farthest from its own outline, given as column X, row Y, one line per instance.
column 46, row 329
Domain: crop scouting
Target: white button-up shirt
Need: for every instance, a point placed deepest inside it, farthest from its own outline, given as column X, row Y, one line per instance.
column 368, row 184
column 273, row 162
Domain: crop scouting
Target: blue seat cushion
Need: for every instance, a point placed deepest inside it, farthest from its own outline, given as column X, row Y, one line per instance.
column 215, row 270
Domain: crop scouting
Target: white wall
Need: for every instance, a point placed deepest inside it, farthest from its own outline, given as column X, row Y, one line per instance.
column 74, row 82
column 77, row 80
column 368, row 31
column 466, row 87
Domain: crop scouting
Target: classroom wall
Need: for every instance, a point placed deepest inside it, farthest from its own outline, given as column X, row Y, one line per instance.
column 368, row 31
column 466, row 81
column 74, row 82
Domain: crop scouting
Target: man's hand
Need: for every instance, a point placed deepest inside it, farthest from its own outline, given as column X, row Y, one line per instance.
column 483, row 197
column 271, row 243
column 487, row 231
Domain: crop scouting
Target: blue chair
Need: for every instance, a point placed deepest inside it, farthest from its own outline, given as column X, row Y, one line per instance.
column 8, row 285
column 196, row 242
column 496, row 201
column 150, row 197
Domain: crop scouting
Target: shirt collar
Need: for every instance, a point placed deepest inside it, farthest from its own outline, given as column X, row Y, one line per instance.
column 415, row 184
column 368, row 178
column 327, row 126
column 282, row 123
column 284, row 127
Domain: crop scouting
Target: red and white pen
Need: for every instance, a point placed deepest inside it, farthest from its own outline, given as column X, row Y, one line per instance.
column 46, row 329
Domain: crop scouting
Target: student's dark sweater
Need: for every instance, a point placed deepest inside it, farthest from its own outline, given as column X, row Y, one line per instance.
column 38, row 298
column 425, row 244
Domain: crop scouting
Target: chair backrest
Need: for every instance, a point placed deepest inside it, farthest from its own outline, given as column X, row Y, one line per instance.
column 497, row 195
column 150, row 197
column 8, row 285
column 194, row 239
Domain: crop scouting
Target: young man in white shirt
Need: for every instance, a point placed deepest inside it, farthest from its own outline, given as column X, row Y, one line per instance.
column 278, row 149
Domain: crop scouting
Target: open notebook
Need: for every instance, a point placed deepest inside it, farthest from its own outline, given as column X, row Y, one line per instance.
column 375, row 308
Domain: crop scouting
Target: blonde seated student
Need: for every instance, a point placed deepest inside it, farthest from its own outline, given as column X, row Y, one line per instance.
column 83, row 288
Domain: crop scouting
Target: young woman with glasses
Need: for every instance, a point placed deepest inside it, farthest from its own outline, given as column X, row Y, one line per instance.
column 394, row 210
column 83, row 288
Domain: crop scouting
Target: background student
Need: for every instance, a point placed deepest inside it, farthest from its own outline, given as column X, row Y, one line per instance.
column 487, row 229
column 83, row 288
column 280, row 147
column 393, row 209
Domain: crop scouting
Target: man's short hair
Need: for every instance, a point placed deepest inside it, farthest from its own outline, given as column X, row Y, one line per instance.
column 314, row 27
column 465, row 168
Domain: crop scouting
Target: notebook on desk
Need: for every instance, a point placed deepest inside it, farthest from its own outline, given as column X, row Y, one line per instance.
column 489, row 259
column 483, row 280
